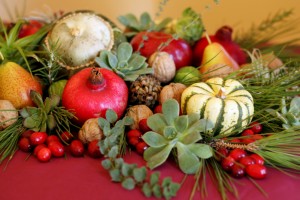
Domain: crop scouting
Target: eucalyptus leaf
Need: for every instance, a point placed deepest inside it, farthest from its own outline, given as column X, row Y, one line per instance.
column 146, row 188
column 127, row 120
column 119, row 162
column 103, row 123
column 181, row 123
column 157, row 122
column 140, row 174
column 113, row 152
column 154, row 139
column 170, row 109
column 157, row 191
column 124, row 51
column 188, row 162
column 166, row 182
column 115, row 175
column 128, row 183
column 106, row 164
column 154, row 178
column 111, row 116
column 203, row 151
column 126, row 169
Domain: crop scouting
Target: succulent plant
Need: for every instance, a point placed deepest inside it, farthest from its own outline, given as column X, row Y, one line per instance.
column 169, row 130
column 124, row 62
column 135, row 25
column 289, row 117
column 48, row 115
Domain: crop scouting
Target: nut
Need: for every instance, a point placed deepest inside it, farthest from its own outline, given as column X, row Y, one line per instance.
column 171, row 91
column 137, row 113
column 8, row 114
column 90, row 131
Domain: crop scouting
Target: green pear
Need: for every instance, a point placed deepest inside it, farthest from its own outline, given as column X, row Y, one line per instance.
column 16, row 84
column 215, row 55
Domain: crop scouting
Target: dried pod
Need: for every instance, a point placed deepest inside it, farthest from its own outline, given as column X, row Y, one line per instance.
column 163, row 65
column 90, row 131
column 8, row 114
column 171, row 91
column 137, row 113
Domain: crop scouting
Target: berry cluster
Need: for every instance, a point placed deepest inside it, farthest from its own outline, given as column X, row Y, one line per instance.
column 45, row 146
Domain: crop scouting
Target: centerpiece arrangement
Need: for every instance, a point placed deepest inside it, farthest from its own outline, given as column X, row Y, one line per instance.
column 217, row 104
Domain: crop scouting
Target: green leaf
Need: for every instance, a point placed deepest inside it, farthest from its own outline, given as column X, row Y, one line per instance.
column 159, row 158
column 181, row 123
column 190, row 137
column 145, row 20
column 37, row 98
column 24, row 113
column 295, row 106
column 136, row 61
column 106, row 164
column 154, row 139
column 154, row 178
column 119, row 162
column 163, row 24
column 115, row 175
column 157, row 123
column 114, row 151
column 203, row 151
column 166, row 182
column 188, row 162
column 111, row 116
column 157, row 191
column 170, row 109
column 124, row 51
column 51, row 122
column 128, row 183
column 140, row 174
column 48, row 105
column 170, row 132
column 112, row 60
column 193, row 118
column 102, row 60
column 103, row 123
column 127, row 120
column 147, row 189
column 174, row 187
column 127, row 169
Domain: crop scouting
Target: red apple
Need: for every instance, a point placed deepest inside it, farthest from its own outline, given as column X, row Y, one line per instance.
column 179, row 49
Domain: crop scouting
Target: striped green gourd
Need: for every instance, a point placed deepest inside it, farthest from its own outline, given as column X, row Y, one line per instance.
column 224, row 102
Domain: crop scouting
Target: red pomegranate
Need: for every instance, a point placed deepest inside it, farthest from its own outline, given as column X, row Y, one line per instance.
column 91, row 91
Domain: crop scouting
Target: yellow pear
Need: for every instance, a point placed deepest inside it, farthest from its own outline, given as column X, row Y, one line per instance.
column 16, row 84
column 215, row 55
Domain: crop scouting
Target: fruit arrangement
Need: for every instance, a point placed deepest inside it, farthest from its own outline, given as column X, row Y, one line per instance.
column 78, row 84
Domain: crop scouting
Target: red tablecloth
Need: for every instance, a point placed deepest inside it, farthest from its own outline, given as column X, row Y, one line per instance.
column 84, row 178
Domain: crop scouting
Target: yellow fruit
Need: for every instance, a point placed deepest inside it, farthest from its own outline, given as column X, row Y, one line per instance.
column 16, row 84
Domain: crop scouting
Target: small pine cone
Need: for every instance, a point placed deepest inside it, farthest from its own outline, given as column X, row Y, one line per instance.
column 145, row 90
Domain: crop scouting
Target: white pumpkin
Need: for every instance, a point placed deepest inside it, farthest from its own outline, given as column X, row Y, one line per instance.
column 224, row 102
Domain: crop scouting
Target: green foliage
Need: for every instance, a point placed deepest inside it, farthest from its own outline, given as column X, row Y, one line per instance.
column 173, row 131
column 129, row 175
column 124, row 62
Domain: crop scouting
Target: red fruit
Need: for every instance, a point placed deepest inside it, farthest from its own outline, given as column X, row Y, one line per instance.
column 257, row 137
column 179, row 49
column 27, row 133
column 158, row 109
column 257, row 159
column 247, row 160
column 134, row 133
column 134, row 141
column 30, row 28
column 37, row 138
column 143, row 126
column 91, row 91
column 247, row 140
column 227, row 163
column 141, row 147
column 93, row 149
column 221, row 153
column 237, row 154
column 38, row 148
column 237, row 171
column 256, row 127
column 24, row 144
column 66, row 136
column 51, row 138
column 44, row 154
column 247, row 132
column 256, row 171
column 236, row 140
column 57, row 149
column 77, row 148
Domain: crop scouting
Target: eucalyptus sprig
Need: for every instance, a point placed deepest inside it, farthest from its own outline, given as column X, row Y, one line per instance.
column 129, row 175
column 169, row 130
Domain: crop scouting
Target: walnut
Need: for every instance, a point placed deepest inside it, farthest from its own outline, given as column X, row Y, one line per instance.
column 90, row 131
column 171, row 91
column 8, row 114
column 163, row 65
column 137, row 113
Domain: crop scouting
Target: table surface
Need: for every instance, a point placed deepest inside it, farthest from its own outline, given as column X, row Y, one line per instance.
column 84, row 178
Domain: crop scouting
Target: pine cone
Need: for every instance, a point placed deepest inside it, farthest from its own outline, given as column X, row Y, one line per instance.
column 145, row 90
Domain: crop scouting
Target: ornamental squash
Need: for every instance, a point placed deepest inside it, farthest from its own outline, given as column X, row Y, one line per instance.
column 224, row 102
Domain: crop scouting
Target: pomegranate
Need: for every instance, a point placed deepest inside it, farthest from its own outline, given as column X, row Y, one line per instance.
column 91, row 91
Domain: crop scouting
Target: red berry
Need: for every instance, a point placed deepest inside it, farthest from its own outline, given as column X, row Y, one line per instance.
column 24, row 144
column 66, row 136
column 247, row 132
column 77, row 148
column 256, row 127
column 27, row 133
column 257, row 137
column 158, row 109
column 221, row 153
column 134, row 133
column 143, row 126
column 235, row 140
column 141, row 147
column 57, row 148
column 256, row 171
column 44, row 154
column 227, row 163
column 134, row 141
column 247, row 140
column 237, row 154
column 257, row 159
column 237, row 171
column 247, row 160
column 37, row 138
column 51, row 138
column 38, row 148
column 93, row 149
